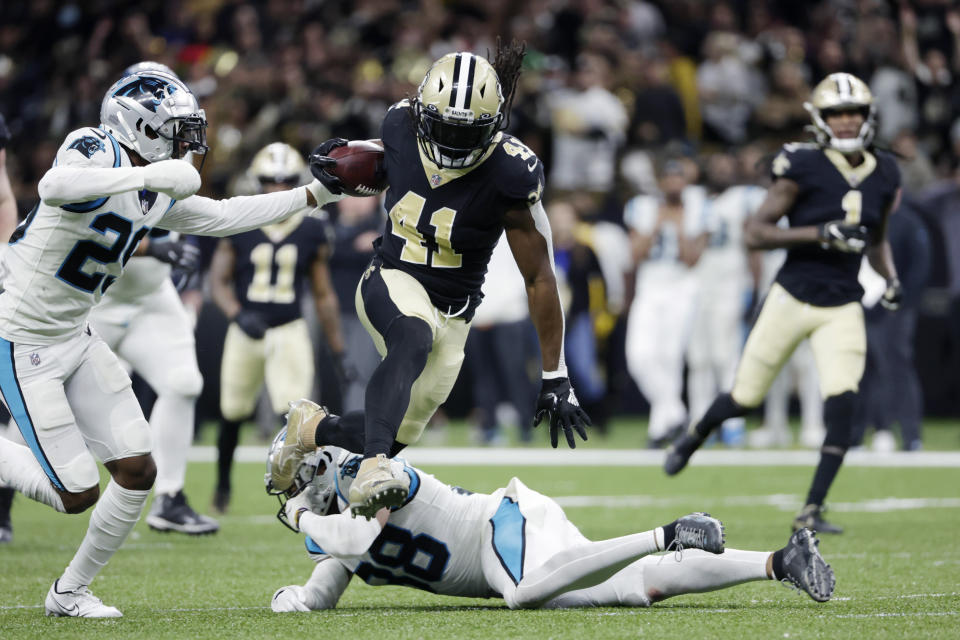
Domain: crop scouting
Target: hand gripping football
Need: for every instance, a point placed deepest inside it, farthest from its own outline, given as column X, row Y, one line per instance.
column 360, row 167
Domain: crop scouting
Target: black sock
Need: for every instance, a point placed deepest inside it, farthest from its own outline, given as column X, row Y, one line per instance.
column 227, row 440
column 778, row 565
column 723, row 408
column 6, row 502
column 344, row 431
column 669, row 534
column 823, row 477
column 838, row 419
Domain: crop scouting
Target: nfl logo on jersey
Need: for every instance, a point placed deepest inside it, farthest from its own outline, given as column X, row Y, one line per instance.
column 35, row 359
column 435, row 179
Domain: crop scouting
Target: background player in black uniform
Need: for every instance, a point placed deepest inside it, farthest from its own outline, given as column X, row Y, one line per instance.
column 258, row 279
column 837, row 195
column 455, row 183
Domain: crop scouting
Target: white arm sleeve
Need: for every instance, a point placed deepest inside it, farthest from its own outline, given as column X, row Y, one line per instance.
column 340, row 535
column 542, row 224
column 327, row 583
column 63, row 185
column 207, row 217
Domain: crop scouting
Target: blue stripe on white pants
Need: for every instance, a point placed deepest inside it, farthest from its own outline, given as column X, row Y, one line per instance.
column 10, row 388
column 508, row 538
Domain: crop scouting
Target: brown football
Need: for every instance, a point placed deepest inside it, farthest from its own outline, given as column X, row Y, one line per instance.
column 360, row 167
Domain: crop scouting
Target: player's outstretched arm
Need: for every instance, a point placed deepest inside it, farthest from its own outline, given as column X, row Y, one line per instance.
column 322, row 591
column 207, row 217
column 528, row 232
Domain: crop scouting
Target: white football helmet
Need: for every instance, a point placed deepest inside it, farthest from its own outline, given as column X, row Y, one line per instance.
column 318, row 469
column 842, row 92
column 278, row 162
column 154, row 114
column 148, row 65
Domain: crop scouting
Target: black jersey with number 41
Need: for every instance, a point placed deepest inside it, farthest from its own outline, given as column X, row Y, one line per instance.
column 831, row 189
column 444, row 223
column 272, row 266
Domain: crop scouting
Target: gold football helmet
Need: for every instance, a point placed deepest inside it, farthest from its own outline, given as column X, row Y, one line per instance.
column 842, row 92
column 458, row 110
column 278, row 162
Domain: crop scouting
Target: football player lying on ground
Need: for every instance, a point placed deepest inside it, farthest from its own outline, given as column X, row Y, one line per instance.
column 515, row 543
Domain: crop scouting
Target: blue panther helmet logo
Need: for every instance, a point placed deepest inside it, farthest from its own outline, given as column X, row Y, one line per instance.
column 88, row 145
column 350, row 467
column 149, row 91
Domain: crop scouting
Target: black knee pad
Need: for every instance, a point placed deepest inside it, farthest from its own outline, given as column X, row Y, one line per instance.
column 409, row 338
column 838, row 419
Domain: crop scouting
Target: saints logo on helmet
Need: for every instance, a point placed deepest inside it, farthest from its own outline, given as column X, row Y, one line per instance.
column 155, row 115
column 842, row 92
column 458, row 110
column 278, row 163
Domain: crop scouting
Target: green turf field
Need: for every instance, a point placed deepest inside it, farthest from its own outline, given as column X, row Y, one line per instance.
column 896, row 566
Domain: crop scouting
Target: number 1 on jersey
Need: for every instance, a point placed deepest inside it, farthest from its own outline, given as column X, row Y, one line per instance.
column 852, row 205
column 404, row 218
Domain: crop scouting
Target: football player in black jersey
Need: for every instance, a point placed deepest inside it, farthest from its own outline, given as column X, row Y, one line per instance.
column 837, row 195
column 258, row 279
column 456, row 181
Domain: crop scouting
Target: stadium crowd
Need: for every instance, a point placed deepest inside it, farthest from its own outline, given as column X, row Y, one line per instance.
column 618, row 98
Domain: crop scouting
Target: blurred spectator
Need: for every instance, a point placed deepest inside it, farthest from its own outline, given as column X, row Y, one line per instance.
column 916, row 170
column 658, row 116
column 725, row 286
column 729, row 89
column 496, row 352
column 589, row 125
column 890, row 390
column 584, row 298
column 668, row 236
column 359, row 221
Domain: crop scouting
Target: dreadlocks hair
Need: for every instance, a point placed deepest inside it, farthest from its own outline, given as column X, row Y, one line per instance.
column 508, row 63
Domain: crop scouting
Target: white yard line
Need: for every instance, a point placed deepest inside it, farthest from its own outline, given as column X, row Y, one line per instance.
column 780, row 501
column 515, row 457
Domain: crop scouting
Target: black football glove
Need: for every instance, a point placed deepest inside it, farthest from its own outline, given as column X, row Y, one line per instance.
column 184, row 256
column 558, row 402
column 251, row 323
column 320, row 161
column 840, row 236
column 893, row 296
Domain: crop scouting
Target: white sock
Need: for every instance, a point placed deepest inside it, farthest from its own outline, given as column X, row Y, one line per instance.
column 583, row 566
column 171, row 424
column 20, row 470
column 698, row 571
column 112, row 520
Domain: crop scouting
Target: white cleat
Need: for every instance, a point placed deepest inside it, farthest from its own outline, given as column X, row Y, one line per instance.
column 290, row 599
column 79, row 603
column 296, row 444
column 376, row 487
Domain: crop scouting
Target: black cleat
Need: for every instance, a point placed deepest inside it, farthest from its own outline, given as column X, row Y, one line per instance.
column 699, row 531
column 173, row 513
column 804, row 567
column 679, row 453
column 812, row 518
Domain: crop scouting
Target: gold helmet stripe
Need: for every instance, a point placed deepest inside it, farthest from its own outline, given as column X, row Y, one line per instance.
column 464, row 69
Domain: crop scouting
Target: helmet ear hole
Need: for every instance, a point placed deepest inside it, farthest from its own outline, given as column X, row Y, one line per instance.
column 149, row 132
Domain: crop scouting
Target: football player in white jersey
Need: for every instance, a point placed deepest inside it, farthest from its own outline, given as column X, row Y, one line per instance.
column 67, row 391
column 725, row 279
column 515, row 544
column 668, row 236
column 142, row 320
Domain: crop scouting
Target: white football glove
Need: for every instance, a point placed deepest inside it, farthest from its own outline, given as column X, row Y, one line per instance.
column 323, row 195
column 297, row 505
column 289, row 599
column 177, row 178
